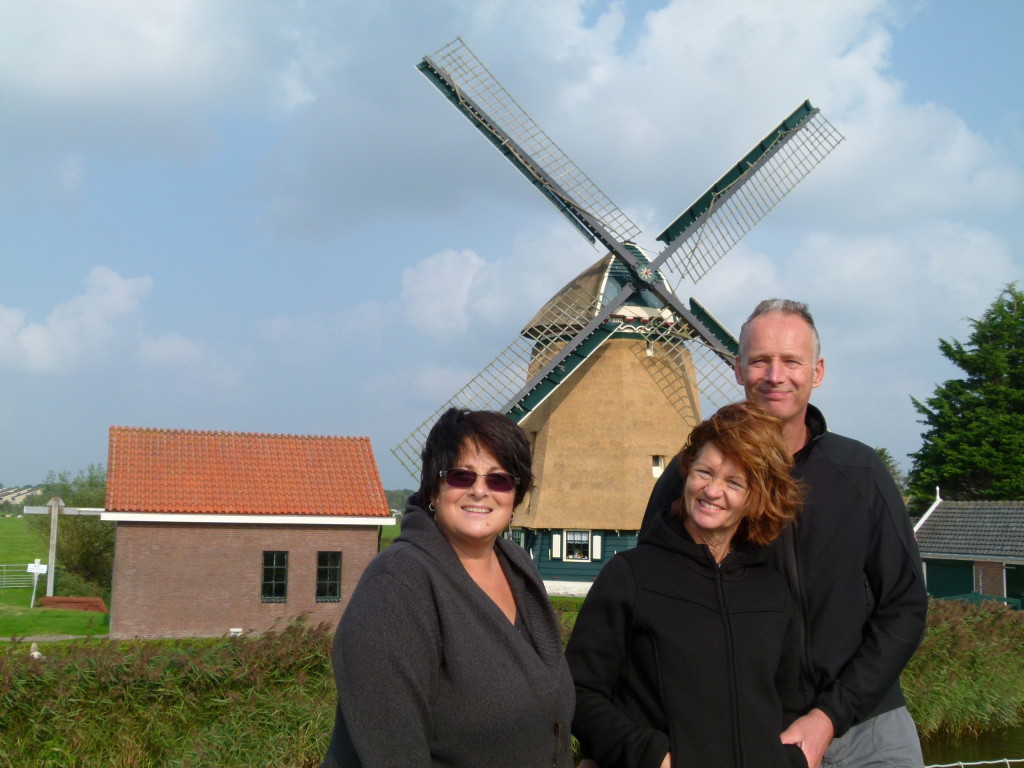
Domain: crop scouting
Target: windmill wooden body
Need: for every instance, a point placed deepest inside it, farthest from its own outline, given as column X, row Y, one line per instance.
column 610, row 375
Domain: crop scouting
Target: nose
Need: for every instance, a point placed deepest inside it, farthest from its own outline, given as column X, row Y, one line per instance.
column 775, row 371
column 480, row 486
column 714, row 487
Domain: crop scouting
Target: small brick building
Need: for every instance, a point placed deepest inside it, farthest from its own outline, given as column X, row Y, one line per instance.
column 226, row 531
column 973, row 547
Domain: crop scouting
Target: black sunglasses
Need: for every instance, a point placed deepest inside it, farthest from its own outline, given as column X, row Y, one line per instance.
column 464, row 478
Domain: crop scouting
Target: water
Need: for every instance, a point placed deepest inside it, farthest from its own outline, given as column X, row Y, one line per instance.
column 987, row 746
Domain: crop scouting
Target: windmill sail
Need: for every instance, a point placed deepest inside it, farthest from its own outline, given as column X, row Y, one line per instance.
column 703, row 233
column 465, row 81
column 685, row 351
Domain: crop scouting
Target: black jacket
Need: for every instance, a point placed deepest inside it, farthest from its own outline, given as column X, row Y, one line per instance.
column 853, row 561
column 674, row 652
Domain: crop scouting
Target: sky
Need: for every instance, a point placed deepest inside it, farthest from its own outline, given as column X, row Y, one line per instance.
column 260, row 217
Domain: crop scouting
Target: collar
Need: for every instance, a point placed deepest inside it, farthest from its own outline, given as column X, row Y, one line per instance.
column 815, row 422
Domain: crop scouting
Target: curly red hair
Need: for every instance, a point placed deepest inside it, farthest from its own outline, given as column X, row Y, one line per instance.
column 750, row 436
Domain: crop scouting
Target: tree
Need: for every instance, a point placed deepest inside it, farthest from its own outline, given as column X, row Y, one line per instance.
column 85, row 545
column 974, row 445
column 898, row 475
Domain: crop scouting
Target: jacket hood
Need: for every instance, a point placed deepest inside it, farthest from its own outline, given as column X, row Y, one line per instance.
column 668, row 532
column 419, row 530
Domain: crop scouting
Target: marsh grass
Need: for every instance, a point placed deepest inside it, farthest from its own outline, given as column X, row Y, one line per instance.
column 230, row 702
column 269, row 700
column 967, row 676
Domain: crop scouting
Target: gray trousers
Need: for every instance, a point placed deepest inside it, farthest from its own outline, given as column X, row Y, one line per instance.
column 886, row 741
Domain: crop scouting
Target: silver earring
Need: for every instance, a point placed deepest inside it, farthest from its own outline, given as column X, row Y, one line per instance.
column 430, row 506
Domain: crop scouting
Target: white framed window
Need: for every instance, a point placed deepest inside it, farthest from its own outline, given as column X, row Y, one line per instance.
column 657, row 465
column 577, row 546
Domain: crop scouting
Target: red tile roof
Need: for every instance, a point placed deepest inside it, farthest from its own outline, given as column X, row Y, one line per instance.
column 180, row 471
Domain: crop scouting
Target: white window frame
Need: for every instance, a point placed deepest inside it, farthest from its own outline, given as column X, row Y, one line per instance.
column 586, row 559
column 658, row 466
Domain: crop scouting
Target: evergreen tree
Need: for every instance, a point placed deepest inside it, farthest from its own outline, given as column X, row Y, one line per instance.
column 974, row 445
column 898, row 475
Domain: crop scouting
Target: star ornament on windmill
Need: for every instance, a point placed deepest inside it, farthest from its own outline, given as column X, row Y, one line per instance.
column 614, row 369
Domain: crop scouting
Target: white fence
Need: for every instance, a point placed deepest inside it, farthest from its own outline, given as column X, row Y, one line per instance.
column 1004, row 763
column 12, row 576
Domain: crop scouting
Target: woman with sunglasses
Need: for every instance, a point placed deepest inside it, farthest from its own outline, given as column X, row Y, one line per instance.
column 448, row 653
column 686, row 650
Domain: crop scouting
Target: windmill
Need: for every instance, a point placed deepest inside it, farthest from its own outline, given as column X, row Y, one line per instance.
column 609, row 376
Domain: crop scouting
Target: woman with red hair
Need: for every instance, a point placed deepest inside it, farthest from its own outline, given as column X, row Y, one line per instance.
column 686, row 650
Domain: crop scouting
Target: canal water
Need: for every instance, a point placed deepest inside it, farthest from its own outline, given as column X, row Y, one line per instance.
column 987, row 746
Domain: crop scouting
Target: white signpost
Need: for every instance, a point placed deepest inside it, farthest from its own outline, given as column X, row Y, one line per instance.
column 35, row 569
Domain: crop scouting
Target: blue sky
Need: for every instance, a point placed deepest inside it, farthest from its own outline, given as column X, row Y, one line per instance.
column 260, row 217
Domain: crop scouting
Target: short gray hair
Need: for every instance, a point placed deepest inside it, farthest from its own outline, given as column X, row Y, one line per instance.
column 787, row 307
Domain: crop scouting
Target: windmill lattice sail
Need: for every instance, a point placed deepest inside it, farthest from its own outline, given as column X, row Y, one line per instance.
column 463, row 78
column 624, row 300
column 733, row 206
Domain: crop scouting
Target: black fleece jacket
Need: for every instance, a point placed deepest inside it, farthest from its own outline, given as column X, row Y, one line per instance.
column 674, row 652
column 852, row 560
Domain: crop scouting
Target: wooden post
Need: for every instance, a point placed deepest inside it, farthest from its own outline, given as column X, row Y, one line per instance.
column 55, row 506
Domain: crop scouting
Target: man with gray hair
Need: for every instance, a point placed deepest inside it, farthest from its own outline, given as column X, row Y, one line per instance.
column 850, row 558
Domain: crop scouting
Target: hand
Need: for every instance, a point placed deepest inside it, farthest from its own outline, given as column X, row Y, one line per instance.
column 812, row 733
column 667, row 762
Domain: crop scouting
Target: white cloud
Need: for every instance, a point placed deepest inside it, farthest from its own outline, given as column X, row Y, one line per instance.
column 171, row 351
column 190, row 362
column 436, row 292
column 82, row 327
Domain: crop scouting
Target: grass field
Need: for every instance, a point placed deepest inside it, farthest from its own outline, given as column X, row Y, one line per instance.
column 19, row 546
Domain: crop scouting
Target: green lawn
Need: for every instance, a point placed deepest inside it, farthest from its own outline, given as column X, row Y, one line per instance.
column 19, row 546
column 25, row 622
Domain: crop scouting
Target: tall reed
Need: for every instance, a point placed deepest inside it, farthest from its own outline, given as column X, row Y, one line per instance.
column 968, row 674
column 249, row 701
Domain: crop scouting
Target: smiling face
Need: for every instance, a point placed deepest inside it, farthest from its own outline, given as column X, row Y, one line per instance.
column 778, row 366
column 472, row 518
column 715, row 496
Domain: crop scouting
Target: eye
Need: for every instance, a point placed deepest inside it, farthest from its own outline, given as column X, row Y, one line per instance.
column 736, row 485
column 702, row 473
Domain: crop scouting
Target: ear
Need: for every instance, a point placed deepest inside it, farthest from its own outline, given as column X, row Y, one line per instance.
column 737, row 369
column 819, row 372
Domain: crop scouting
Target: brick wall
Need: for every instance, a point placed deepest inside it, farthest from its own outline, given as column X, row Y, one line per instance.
column 182, row 580
column 988, row 578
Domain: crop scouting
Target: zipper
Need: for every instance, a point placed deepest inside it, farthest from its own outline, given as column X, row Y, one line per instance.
column 731, row 665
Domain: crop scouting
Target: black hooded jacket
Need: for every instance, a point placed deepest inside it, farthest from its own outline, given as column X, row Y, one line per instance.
column 674, row 652
column 852, row 560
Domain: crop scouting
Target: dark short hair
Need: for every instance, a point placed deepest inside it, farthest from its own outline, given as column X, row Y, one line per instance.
column 751, row 437
column 786, row 307
column 494, row 432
